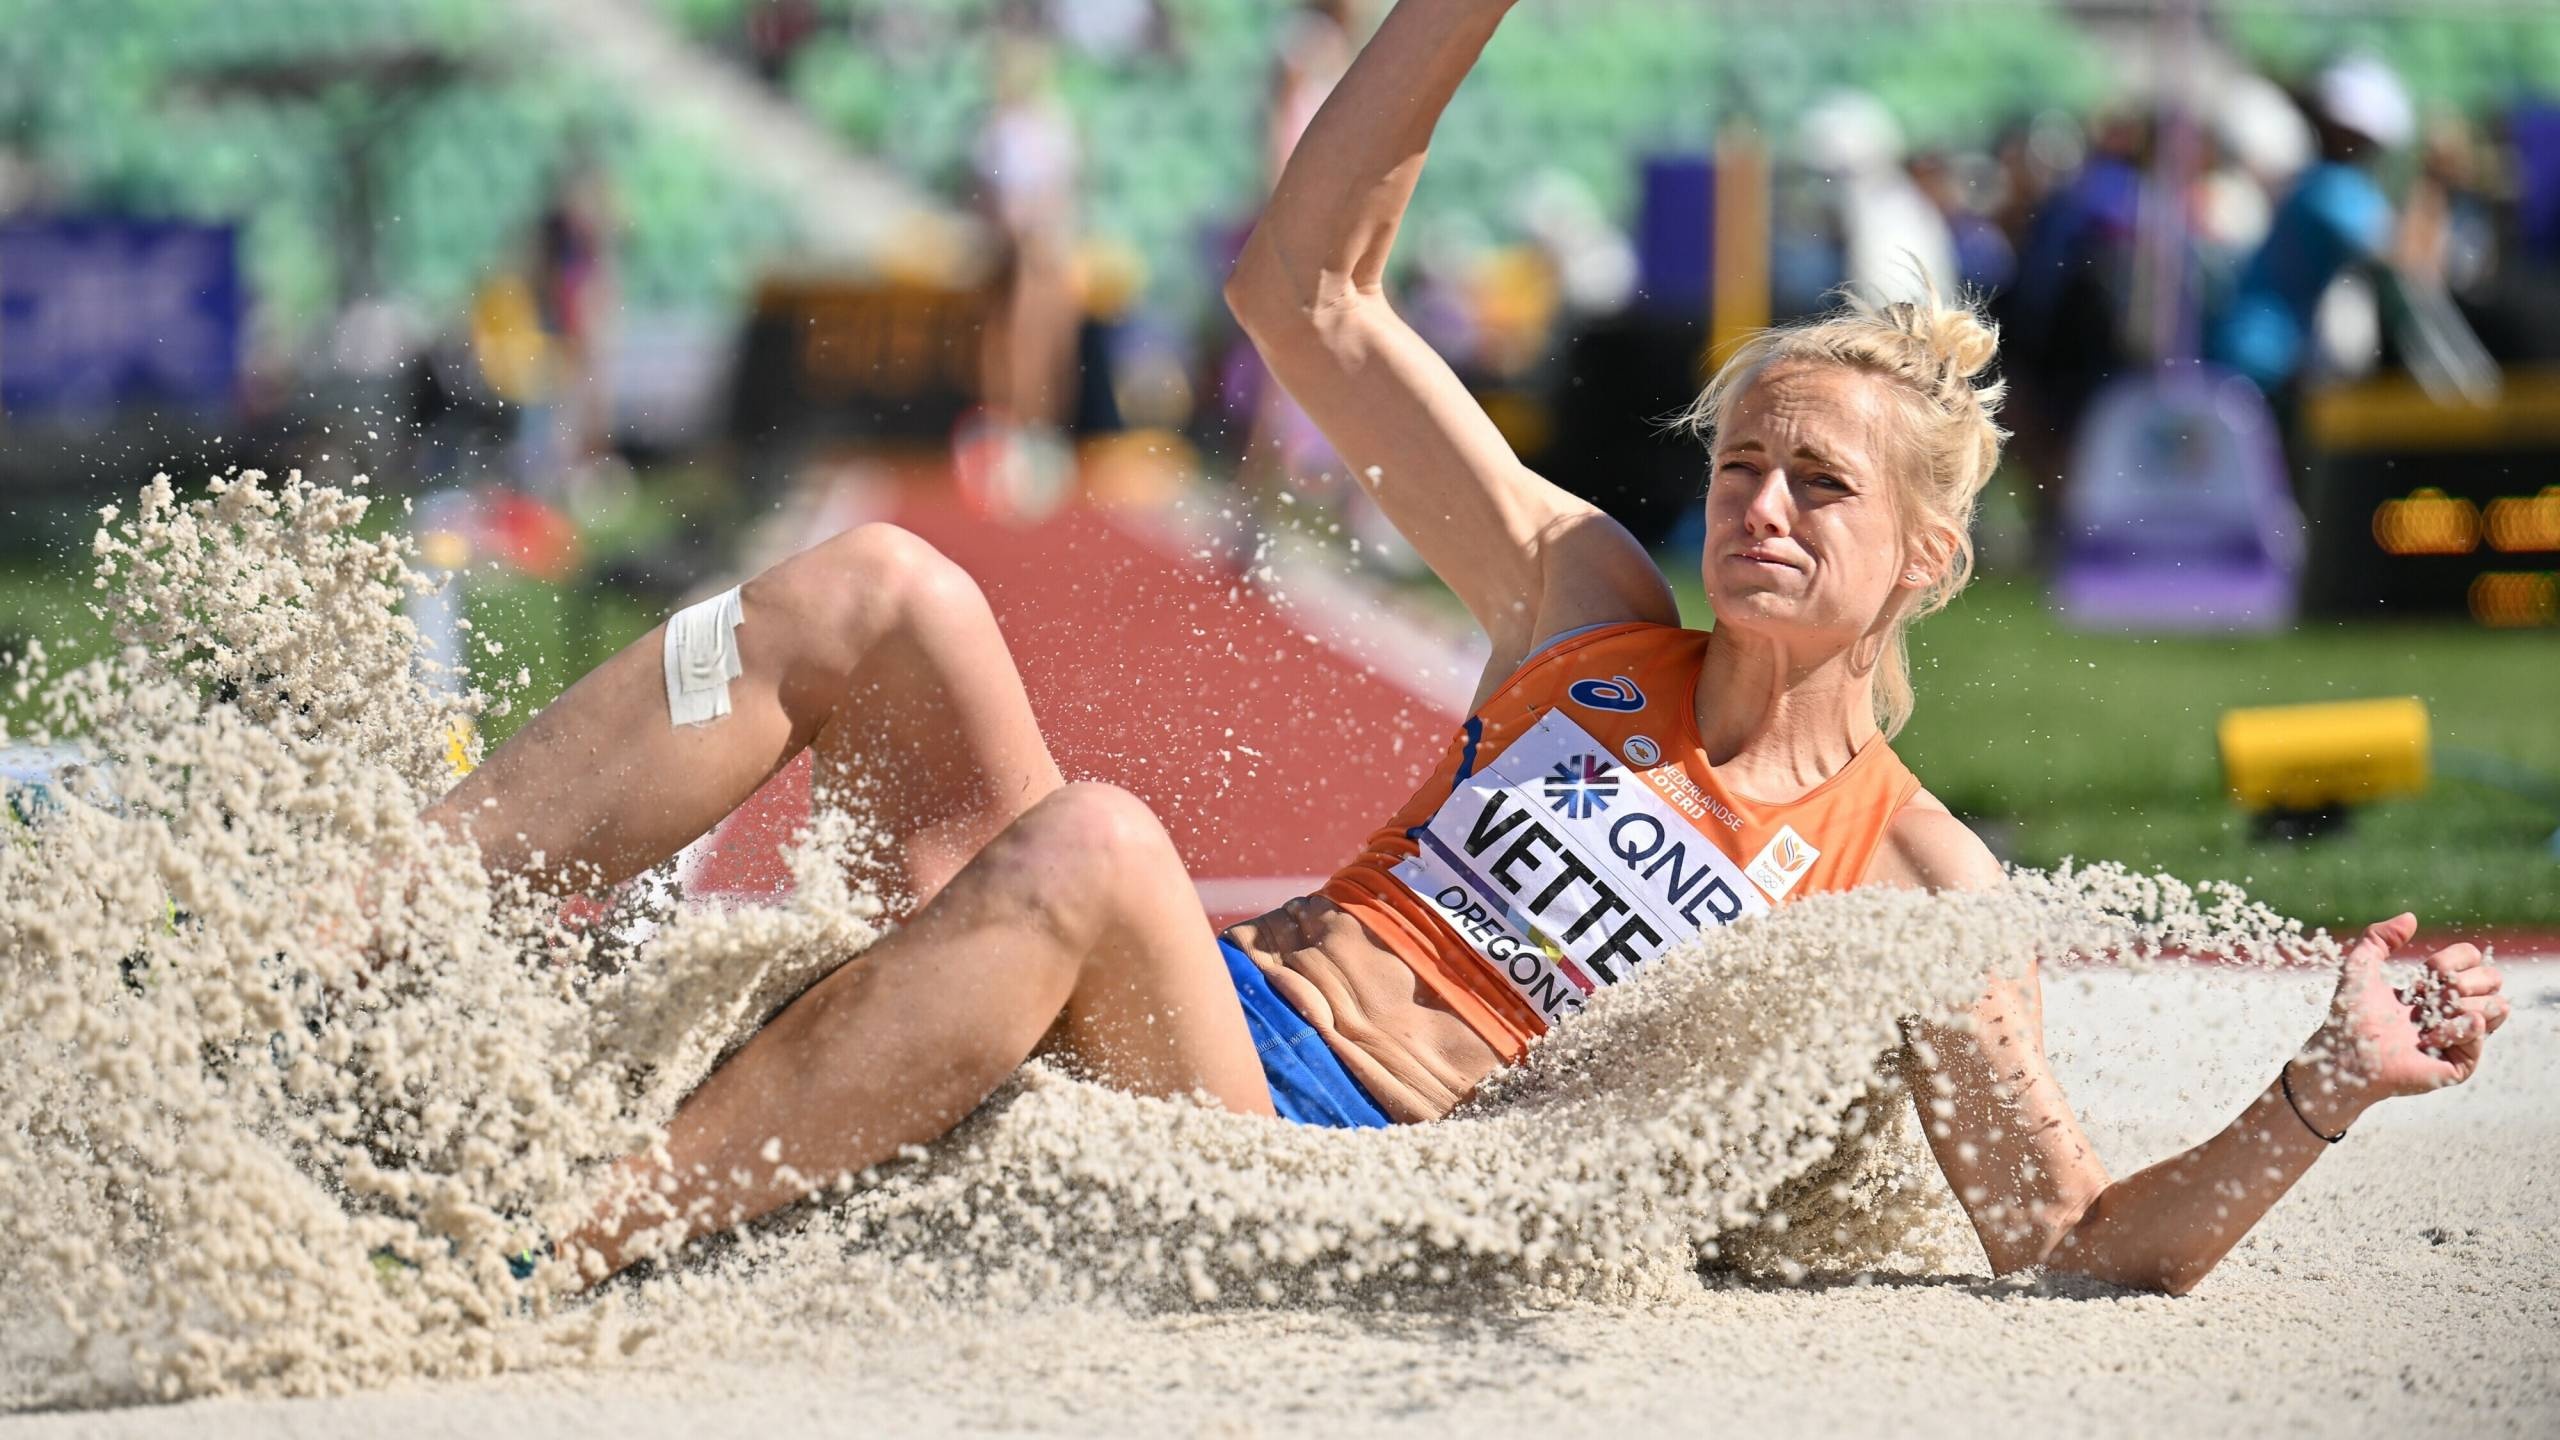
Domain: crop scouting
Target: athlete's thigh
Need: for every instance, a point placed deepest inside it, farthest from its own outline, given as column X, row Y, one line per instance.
column 1154, row 1011
column 934, row 742
column 1166, row 1023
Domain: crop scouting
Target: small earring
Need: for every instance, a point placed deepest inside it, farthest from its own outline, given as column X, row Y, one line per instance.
column 1914, row 576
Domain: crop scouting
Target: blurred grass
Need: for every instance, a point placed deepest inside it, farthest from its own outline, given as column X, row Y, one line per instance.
column 555, row 633
column 2053, row 743
column 551, row 633
column 2056, row 743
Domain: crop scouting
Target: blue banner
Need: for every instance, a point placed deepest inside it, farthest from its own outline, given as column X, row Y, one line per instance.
column 101, row 313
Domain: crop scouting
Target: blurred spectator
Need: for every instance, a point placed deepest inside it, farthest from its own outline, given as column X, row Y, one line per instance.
column 2468, row 217
column 1315, row 47
column 2451, row 227
column 775, row 31
column 1593, row 260
column 541, row 334
column 1984, row 259
column 1886, row 222
column 2064, row 322
column 577, row 294
column 2260, row 143
column 2336, row 216
column 1026, row 160
column 2035, row 157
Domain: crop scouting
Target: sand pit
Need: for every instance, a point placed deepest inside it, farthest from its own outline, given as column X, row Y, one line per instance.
column 2411, row 1282
column 250, row 1157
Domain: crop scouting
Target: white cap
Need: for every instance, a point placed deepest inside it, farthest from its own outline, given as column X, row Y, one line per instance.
column 2362, row 94
column 1849, row 132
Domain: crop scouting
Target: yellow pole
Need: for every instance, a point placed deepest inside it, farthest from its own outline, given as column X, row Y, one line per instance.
column 1740, row 302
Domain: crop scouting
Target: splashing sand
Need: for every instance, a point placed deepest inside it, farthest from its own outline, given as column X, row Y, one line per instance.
column 239, row 1155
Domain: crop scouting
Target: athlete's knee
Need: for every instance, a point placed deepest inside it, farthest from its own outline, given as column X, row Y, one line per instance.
column 872, row 568
column 1100, row 836
column 1093, row 852
column 858, row 585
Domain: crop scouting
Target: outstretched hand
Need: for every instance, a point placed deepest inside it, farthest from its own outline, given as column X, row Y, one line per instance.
column 2380, row 1041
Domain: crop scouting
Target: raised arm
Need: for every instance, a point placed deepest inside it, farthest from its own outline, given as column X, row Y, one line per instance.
column 1526, row 558
column 2034, row 1188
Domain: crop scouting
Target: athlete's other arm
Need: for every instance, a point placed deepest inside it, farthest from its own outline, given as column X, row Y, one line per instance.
column 1526, row 558
column 2026, row 1175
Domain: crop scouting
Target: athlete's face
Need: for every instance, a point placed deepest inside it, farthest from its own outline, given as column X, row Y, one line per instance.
column 1803, row 539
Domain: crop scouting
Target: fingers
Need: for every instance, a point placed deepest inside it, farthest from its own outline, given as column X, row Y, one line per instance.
column 2497, row 1009
column 2455, row 970
column 2465, row 1022
column 2454, row 959
column 2461, row 1060
column 2450, row 1049
column 2362, row 961
column 2376, row 944
column 2461, row 970
column 2389, row 935
column 2479, row 980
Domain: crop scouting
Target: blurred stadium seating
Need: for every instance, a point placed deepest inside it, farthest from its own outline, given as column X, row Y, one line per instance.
column 1576, row 84
column 252, row 110
column 407, row 152
column 1581, row 85
column 152, row 106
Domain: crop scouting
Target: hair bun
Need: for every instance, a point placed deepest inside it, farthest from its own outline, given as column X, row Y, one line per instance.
column 1960, row 337
column 1952, row 331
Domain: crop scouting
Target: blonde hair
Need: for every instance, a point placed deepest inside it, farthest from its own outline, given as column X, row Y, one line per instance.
column 1929, row 350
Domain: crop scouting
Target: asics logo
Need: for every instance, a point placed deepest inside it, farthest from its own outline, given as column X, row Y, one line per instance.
column 1615, row 693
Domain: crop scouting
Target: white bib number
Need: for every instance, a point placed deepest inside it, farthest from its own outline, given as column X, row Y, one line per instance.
column 1566, row 872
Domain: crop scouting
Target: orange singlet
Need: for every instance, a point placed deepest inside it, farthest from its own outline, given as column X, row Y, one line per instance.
column 1574, row 831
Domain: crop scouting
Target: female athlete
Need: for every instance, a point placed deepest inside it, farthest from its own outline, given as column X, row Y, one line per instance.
column 1748, row 768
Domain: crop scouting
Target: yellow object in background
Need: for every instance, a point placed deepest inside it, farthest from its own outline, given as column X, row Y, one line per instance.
column 506, row 336
column 2515, row 599
column 2320, row 757
column 2427, row 522
column 1738, row 302
column 460, row 740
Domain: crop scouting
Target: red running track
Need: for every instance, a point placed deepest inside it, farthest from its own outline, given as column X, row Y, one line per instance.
column 1271, row 732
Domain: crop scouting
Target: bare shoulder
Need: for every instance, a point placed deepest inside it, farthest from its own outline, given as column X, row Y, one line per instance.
column 1590, row 571
column 1927, row 848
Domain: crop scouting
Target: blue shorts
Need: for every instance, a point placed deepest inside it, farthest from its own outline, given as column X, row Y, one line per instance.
column 1308, row 1083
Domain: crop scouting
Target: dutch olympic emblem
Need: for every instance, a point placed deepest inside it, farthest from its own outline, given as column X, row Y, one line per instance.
column 1640, row 750
column 1582, row 787
column 1615, row 693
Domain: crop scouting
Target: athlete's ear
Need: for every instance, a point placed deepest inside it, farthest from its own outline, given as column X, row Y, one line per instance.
column 1927, row 559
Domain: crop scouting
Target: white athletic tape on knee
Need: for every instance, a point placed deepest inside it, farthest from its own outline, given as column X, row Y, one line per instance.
column 702, row 658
